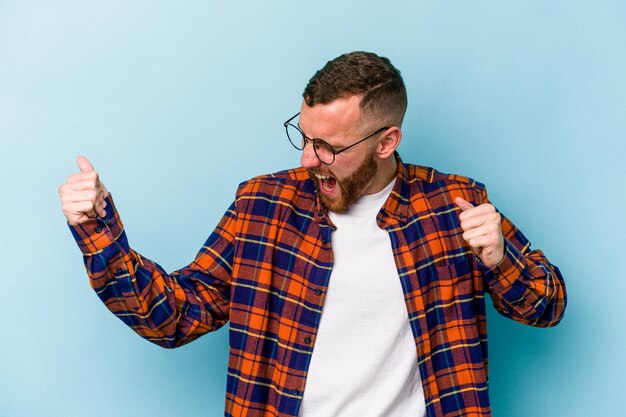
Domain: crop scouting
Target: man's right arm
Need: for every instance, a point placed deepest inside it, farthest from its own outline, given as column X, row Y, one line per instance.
column 167, row 309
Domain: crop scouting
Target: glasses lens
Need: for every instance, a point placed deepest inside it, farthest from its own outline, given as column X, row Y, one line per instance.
column 295, row 137
column 323, row 151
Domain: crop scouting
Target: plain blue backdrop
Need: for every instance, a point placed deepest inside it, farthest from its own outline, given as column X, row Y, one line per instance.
column 175, row 103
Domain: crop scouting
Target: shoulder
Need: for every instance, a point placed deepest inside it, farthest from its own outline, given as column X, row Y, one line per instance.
column 434, row 178
column 287, row 185
column 437, row 184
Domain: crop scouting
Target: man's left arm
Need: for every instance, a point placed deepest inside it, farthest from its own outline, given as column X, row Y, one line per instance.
column 523, row 284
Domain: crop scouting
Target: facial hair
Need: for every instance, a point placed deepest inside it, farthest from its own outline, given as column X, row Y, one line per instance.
column 351, row 187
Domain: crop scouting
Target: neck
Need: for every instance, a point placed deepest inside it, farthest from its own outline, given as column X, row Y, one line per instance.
column 387, row 171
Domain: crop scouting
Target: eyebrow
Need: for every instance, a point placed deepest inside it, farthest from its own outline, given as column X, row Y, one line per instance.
column 335, row 147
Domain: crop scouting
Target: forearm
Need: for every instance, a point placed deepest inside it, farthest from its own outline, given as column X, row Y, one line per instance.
column 525, row 286
column 167, row 309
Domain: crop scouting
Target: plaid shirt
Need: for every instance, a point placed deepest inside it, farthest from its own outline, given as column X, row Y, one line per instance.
column 266, row 268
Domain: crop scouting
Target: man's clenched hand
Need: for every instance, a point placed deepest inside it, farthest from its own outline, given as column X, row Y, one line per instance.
column 82, row 195
column 482, row 229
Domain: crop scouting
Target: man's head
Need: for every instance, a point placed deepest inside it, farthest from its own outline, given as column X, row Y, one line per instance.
column 364, row 74
column 355, row 103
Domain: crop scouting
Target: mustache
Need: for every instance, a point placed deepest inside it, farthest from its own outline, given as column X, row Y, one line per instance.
column 313, row 172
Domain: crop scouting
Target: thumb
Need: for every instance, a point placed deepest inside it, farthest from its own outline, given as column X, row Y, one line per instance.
column 84, row 164
column 463, row 204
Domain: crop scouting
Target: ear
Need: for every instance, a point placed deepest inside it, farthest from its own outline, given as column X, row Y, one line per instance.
column 388, row 143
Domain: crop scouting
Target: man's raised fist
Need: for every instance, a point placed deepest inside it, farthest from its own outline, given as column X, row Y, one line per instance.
column 82, row 195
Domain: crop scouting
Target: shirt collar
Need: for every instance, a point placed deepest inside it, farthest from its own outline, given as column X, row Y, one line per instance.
column 397, row 207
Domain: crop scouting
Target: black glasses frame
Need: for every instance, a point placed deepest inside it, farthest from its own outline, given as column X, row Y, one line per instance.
column 321, row 142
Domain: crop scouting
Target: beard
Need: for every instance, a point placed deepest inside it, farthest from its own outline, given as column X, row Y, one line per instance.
column 351, row 187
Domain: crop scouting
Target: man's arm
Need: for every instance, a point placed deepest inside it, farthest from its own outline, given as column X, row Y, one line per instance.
column 167, row 309
column 523, row 284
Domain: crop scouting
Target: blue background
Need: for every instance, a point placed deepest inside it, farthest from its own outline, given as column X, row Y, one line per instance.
column 175, row 103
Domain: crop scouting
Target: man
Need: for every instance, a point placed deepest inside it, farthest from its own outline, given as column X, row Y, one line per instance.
column 354, row 285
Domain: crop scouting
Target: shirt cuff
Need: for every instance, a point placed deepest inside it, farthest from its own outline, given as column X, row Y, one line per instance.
column 507, row 271
column 95, row 234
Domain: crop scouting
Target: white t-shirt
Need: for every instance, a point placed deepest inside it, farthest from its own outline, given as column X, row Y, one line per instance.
column 364, row 361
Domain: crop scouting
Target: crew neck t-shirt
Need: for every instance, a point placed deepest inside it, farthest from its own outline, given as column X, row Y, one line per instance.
column 364, row 361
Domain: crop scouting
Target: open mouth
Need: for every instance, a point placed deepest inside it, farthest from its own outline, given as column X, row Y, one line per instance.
column 327, row 183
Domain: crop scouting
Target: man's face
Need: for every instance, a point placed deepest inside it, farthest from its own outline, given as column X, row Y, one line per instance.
column 353, row 171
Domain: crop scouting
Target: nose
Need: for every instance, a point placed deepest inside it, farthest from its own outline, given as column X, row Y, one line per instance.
column 309, row 159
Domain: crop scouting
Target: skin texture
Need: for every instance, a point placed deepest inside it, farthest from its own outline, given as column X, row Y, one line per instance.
column 482, row 229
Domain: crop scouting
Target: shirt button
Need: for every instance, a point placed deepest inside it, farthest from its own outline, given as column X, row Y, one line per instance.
column 324, row 241
column 295, row 392
column 107, row 221
column 98, row 229
column 318, row 291
column 521, row 304
column 118, row 271
column 307, row 340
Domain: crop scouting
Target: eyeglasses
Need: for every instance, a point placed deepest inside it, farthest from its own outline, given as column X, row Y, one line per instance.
column 324, row 152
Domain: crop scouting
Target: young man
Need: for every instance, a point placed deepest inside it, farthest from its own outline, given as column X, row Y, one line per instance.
column 354, row 285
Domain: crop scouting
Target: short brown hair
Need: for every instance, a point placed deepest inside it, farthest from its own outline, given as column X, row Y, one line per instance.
column 361, row 73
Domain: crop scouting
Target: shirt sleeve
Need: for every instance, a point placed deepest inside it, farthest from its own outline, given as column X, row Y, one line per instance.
column 167, row 309
column 525, row 286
